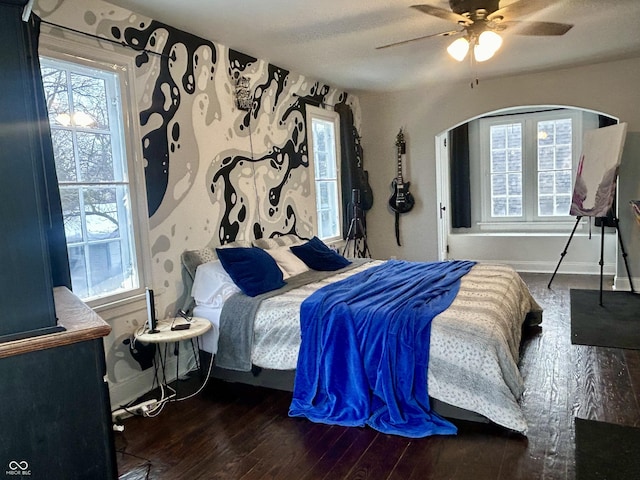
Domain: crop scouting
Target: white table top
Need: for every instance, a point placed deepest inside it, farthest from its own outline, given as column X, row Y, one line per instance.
column 165, row 334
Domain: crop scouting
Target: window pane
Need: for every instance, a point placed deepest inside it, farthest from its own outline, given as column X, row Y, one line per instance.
column 563, row 182
column 515, row 184
column 563, row 157
column 499, row 206
column 546, row 183
column 326, row 199
column 545, row 205
column 70, row 199
column 515, row 207
column 322, row 168
column 515, row 161
column 89, row 102
column 545, row 158
column 498, row 137
column 563, row 202
column 564, row 131
column 56, row 94
column 78, row 268
column 546, row 133
column 101, row 213
column 108, row 273
column 95, row 157
column 63, row 153
column 499, row 161
column 514, row 135
column 498, row 185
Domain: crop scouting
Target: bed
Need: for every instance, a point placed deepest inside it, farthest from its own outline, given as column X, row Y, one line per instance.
column 474, row 343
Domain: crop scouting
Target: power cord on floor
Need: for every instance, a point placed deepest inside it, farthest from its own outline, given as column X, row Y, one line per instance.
column 148, row 464
column 153, row 408
column 204, row 383
column 164, row 398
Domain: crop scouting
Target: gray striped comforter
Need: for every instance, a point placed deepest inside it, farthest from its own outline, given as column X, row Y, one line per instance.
column 473, row 362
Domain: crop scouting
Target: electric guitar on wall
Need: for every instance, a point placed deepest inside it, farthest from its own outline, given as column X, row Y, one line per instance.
column 401, row 201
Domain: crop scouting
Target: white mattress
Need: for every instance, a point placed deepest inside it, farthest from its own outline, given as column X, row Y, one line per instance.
column 210, row 338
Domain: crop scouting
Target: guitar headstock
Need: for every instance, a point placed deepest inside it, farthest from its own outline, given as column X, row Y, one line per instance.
column 399, row 138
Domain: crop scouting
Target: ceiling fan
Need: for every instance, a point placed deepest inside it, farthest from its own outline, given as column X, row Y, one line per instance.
column 481, row 22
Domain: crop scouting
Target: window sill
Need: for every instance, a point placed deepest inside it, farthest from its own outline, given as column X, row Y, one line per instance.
column 526, row 228
column 132, row 303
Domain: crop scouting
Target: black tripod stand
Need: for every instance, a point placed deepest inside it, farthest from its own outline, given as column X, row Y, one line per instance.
column 601, row 263
column 356, row 230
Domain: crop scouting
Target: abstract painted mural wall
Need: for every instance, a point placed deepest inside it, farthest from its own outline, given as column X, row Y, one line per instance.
column 213, row 173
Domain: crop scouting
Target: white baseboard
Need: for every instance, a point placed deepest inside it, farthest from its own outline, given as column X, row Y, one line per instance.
column 580, row 268
column 621, row 282
column 124, row 392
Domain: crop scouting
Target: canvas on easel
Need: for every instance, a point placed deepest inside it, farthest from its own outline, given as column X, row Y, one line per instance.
column 594, row 191
column 595, row 188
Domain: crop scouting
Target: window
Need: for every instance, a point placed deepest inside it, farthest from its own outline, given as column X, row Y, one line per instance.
column 94, row 176
column 529, row 161
column 506, row 170
column 324, row 154
column 555, row 153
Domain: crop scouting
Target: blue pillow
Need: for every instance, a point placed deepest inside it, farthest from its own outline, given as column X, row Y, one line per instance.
column 252, row 269
column 318, row 256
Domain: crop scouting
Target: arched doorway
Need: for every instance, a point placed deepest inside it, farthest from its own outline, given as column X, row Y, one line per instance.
column 525, row 237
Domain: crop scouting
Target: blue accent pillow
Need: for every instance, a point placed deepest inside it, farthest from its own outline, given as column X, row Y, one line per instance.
column 318, row 256
column 252, row 269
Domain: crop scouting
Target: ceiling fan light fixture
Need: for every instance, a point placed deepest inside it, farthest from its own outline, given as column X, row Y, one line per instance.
column 488, row 44
column 482, row 54
column 459, row 48
column 490, row 39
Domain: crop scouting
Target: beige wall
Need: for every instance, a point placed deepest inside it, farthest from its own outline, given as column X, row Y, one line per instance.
column 425, row 112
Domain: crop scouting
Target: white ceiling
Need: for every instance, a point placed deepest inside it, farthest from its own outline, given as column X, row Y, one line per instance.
column 335, row 40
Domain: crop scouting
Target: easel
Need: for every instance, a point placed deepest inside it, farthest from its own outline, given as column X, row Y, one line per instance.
column 601, row 263
column 356, row 228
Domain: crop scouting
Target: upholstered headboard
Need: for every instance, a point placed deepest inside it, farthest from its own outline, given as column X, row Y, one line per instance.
column 190, row 259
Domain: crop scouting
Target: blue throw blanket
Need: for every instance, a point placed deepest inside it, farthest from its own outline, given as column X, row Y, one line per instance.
column 365, row 348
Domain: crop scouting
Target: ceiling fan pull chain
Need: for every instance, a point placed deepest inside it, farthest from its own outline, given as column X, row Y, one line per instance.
column 474, row 74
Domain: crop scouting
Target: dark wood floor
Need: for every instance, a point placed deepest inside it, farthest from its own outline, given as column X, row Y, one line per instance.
column 238, row 432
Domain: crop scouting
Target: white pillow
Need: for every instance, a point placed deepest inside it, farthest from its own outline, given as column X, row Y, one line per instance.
column 212, row 285
column 287, row 261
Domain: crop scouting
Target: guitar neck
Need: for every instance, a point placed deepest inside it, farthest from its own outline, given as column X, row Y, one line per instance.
column 401, row 152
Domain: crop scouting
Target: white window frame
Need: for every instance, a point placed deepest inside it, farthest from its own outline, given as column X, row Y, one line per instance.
column 96, row 58
column 315, row 113
column 529, row 123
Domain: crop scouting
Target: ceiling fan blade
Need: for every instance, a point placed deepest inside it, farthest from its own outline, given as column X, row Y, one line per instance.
column 535, row 28
column 442, row 34
column 517, row 9
column 444, row 14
